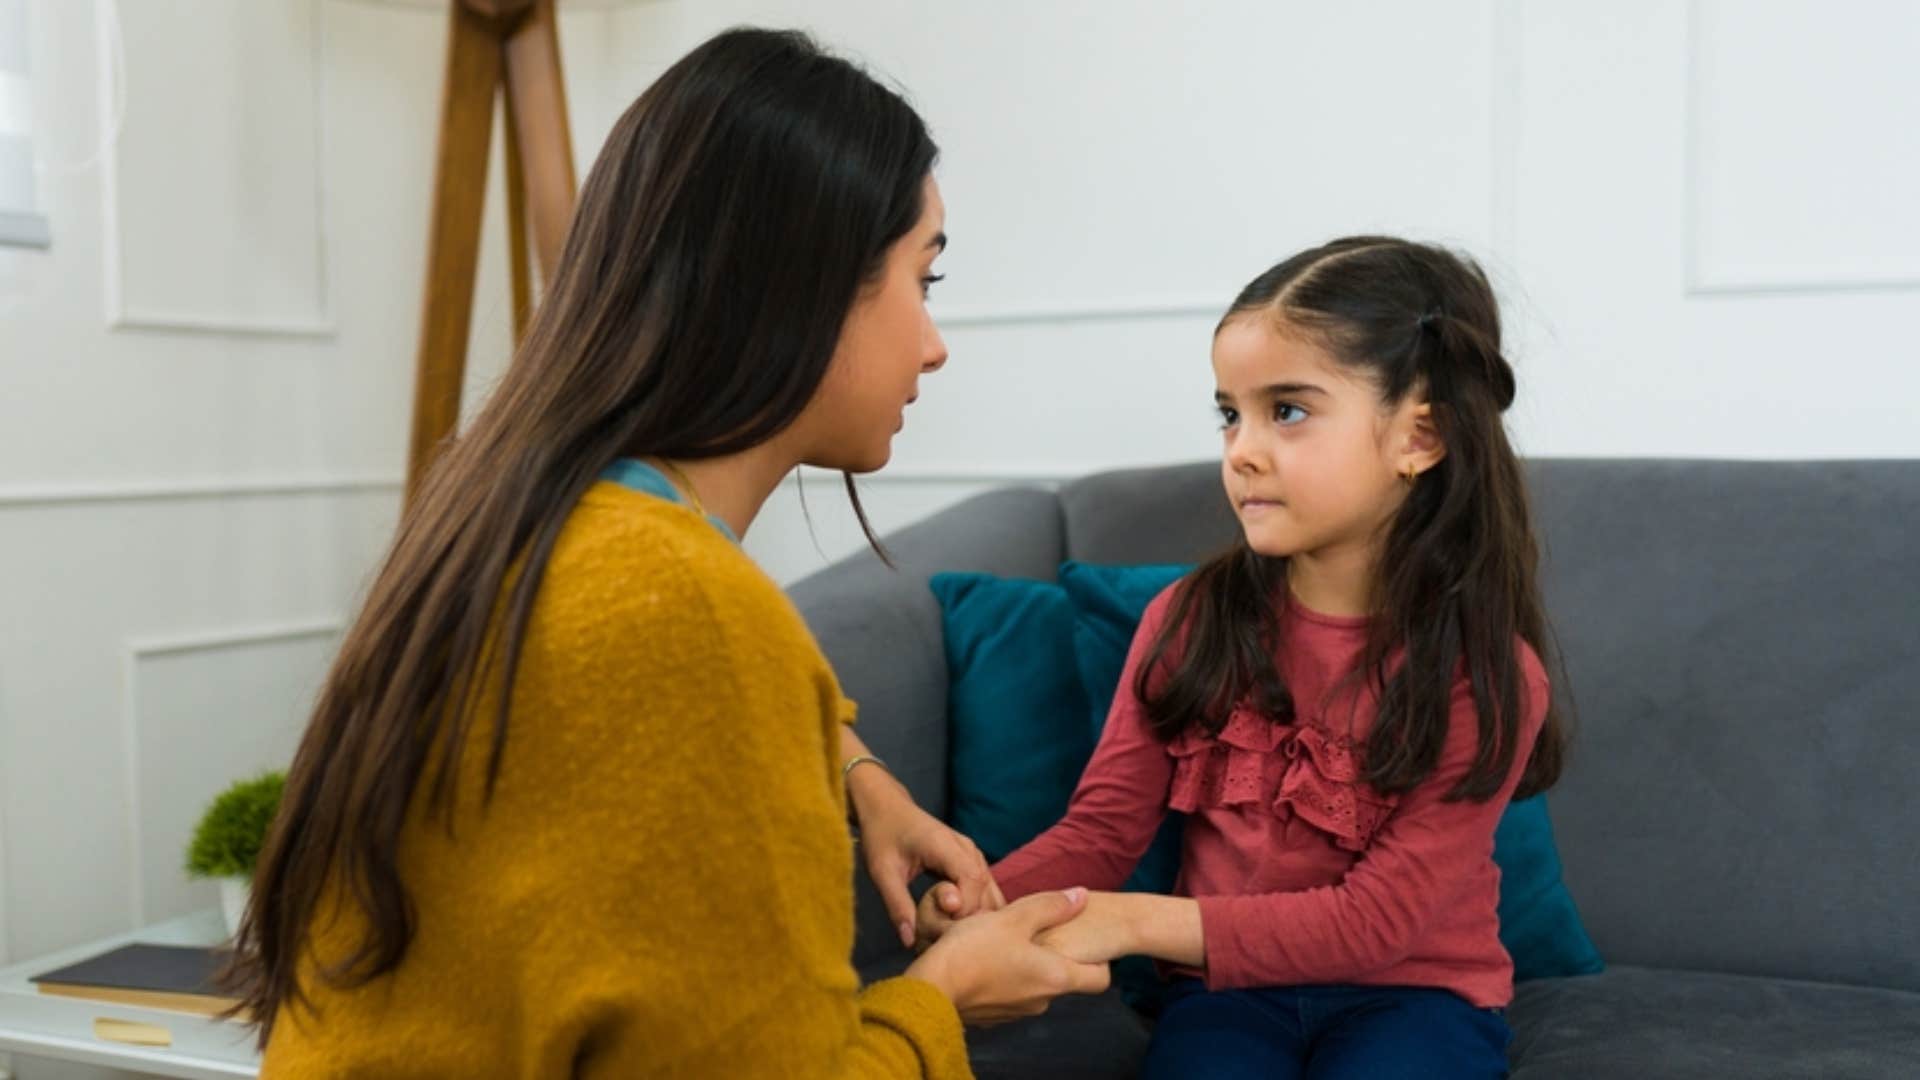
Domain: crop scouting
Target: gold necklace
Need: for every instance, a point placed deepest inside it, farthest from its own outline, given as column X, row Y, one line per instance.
column 686, row 485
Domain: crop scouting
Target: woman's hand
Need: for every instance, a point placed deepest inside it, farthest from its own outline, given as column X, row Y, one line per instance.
column 994, row 969
column 899, row 841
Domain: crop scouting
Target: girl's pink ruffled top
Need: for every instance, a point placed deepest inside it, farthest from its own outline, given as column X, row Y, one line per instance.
column 1305, row 875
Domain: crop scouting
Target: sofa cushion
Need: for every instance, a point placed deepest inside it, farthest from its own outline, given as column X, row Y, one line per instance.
column 1169, row 514
column 1079, row 1037
column 1108, row 602
column 1653, row 1024
column 1016, row 711
column 1740, row 642
column 1539, row 923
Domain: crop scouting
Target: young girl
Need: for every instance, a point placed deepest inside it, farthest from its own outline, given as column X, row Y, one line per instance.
column 1343, row 704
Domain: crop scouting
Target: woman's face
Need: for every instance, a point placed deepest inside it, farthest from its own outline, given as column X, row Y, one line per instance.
column 886, row 344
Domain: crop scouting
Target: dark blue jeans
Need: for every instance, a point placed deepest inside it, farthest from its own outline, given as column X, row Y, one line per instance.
column 1324, row 1033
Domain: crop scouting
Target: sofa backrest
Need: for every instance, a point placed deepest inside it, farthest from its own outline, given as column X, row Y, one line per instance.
column 1741, row 648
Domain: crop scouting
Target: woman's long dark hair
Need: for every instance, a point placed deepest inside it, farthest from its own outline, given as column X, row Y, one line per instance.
column 1455, row 584
column 732, row 218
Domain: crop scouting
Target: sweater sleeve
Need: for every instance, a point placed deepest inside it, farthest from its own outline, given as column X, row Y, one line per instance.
column 1375, row 916
column 698, row 917
column 1119, row 803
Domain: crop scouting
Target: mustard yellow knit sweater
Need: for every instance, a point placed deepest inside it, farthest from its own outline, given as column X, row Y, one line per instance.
column 662, row 884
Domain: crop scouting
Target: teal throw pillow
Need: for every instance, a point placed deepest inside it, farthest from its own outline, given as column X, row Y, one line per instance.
column 1016, row 712
column 1539, row 924
column 1108, row 602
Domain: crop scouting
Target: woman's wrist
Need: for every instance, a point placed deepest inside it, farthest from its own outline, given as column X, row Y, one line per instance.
column 871, row 789
column 869, row 785
column 932, row 967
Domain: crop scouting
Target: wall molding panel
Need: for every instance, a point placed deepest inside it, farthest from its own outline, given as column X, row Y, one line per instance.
column 125, row 309
column 1068, row 312
column 139, row 654
column 61, row 495
column 1506, row 85
column 1711, row 274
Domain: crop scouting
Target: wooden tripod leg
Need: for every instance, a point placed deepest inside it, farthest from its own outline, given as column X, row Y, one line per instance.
column 517, row 225
column 538, row 103
column 453, row 242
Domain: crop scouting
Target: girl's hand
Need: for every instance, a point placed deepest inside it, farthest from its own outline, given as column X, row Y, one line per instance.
column 993, row 967
column 899, row 841
column 1104, row 932
column 932, row 919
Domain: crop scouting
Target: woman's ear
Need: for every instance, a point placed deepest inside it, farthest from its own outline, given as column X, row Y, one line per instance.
column 1422, row 447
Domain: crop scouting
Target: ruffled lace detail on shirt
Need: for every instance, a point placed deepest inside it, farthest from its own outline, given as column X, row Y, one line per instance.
column 1300, row 769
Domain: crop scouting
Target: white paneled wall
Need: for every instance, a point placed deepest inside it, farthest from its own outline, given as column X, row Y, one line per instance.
column 1699, row 216
column 234, row 178
column 204, row 393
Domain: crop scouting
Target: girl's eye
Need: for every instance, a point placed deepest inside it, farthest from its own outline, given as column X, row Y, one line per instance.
column 927, row 283
column 1286, row 412
column 1228, row 418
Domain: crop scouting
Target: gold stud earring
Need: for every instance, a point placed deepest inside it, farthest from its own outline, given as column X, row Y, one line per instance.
column 1412, row 474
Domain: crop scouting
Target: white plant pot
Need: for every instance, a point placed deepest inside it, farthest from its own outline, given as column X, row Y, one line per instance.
column 233, row 900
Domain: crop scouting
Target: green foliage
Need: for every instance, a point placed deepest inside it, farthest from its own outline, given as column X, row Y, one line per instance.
column 230, row 834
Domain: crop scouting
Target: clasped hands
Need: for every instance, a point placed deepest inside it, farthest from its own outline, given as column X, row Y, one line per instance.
column 1104, row 930
column 899, row 841
column 995, row 961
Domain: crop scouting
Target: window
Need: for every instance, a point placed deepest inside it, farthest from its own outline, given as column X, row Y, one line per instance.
column 21, row 223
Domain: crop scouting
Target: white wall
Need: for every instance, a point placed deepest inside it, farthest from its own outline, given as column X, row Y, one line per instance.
column 1699, row 214
column 1701, row 225
column 204, row 397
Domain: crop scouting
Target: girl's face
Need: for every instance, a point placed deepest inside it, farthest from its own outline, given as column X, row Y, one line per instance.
column 1313, row 463
column 887, row 342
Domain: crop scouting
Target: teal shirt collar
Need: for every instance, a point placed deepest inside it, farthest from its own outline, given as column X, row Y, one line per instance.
column 644, row 478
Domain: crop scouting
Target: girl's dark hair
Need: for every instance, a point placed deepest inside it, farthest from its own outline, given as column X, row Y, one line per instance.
column 1456, row 584
column 733, row 216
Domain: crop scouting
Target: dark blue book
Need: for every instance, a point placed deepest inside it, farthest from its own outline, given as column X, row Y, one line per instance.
column 177, row 977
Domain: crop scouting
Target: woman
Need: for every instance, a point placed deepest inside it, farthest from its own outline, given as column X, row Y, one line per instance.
column 570, row 802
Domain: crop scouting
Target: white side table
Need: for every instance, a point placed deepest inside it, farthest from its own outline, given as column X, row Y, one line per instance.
column 65, row 1029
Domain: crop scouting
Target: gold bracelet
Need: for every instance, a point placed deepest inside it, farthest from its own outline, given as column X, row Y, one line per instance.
column 861, row 759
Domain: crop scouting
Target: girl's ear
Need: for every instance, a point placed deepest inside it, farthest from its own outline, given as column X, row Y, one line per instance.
column 1422, row 447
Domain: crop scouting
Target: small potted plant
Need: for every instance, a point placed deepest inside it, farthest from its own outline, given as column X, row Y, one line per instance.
column 228, row 839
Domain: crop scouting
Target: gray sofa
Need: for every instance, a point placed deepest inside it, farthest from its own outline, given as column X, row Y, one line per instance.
column 1742, row 646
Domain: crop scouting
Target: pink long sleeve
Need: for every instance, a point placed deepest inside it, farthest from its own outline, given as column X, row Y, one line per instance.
column 1118, row 805
column 1302, row 872
column 1410, row 910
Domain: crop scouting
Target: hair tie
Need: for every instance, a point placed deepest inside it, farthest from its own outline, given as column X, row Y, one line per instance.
column 1430, row 319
